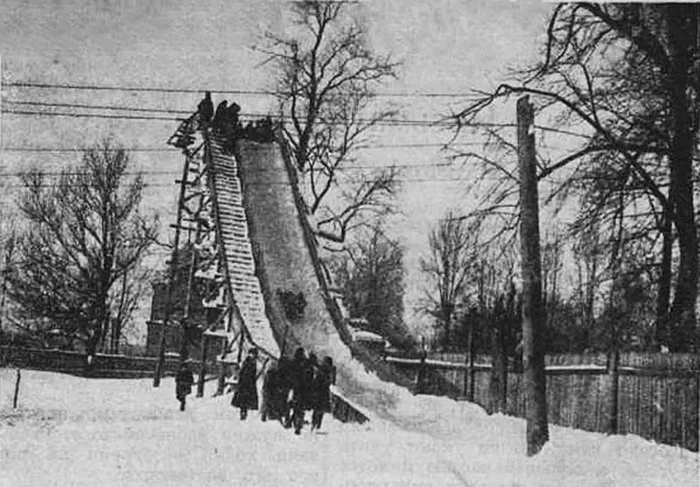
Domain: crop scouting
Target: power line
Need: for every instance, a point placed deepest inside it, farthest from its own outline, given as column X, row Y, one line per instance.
column 249, row 183
column 93, row 115
column 99, row 107
column 142, row 89
column 175, row 149
column 177, row 172
column 151, row 89
column 401, row 123
column 392, row 123
column 67, row 149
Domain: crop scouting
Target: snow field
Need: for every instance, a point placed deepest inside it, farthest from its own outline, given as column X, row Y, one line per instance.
column 74, row 431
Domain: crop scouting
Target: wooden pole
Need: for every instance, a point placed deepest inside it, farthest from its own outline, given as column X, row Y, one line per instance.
column 186, row 326
column 470, row 362
column 614, row 374
column 172, row 277
column 202, row 365
column 19, row 377
column 532, row 312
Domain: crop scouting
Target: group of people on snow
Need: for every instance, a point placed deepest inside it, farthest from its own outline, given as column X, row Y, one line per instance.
column 290, row 388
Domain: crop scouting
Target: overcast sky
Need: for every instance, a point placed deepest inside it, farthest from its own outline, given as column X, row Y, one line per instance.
column 447, row 46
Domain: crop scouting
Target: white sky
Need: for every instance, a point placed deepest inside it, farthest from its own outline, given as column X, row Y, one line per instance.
column 448, row 46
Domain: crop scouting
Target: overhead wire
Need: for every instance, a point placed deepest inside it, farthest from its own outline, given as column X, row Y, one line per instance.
column 92, row 115
column 149, row 89
column 402, row 123
column 437, row 123
column 153, row 89
column 99, row 107
column 175, row 149
column 252, row 183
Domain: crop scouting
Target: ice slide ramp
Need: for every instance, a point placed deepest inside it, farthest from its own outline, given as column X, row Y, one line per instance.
column 285, row 249
column 270, row 258
column 298, row 303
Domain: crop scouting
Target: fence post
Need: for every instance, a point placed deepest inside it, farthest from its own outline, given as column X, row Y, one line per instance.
column 19, row 377
column 614, row 374
column 420, row 379
column 470, row 364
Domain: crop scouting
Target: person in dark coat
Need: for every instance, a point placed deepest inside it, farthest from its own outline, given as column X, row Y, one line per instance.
column 205, row 110
column 284, row 386
column 219, row 122
column 231, row 126
column 183, row 384
column 324, row 378
column 246, row 395
column 232, row 113
column 302, row 377
column 270, row 407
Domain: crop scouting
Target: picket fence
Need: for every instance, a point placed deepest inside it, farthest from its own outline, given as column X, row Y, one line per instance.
column 658, row 394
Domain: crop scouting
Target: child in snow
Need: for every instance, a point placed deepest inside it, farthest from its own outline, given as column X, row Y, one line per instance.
column 183, row 383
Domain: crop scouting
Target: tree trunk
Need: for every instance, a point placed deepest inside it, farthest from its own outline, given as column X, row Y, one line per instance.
column 682, row 35
column 499, row 371
column 532, row 313
column 614, row 375
column 663, row 297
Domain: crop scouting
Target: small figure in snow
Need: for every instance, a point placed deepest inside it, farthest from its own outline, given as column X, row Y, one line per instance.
column 246, row 396
column 205, row 110
column 183, row 383
column 325, row 377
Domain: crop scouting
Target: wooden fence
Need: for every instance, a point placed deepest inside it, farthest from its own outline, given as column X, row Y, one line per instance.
column 103, row 365
column 658, row 394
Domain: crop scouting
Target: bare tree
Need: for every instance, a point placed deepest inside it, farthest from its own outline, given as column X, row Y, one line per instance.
column 625, row 77
column 84, row 236
column 326, row 81
column 587, row 253
column 447, row 269
column 8, row 251
column 372, row 277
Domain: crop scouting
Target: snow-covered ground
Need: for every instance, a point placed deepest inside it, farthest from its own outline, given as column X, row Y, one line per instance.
column 74, row 431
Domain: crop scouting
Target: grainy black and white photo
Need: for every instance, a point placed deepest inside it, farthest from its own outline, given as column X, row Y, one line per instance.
column 349, row 243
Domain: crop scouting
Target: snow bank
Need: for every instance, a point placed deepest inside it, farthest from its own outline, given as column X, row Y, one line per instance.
column 75, row 431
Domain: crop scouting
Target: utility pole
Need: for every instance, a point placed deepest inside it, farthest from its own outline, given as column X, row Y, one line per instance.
column 172, row 276
column 532, row 312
